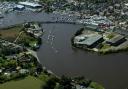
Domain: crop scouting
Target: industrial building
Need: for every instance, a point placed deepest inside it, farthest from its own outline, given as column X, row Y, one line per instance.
column 91, row 41
column 117, row 40
column 19, row 7
column 31, row 4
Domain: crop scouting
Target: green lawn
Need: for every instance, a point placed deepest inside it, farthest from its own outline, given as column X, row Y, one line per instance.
column 27, row 83
column 105, row 46
column 110, row 36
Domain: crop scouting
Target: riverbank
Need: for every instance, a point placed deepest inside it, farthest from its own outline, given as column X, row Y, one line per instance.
column 16, row 58
column 25, row 36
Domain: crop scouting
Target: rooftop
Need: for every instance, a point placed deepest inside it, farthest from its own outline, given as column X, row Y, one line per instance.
column 126, row 4
column 116, row 38
column 30, row 4
column 90, row 40
column 20, row 6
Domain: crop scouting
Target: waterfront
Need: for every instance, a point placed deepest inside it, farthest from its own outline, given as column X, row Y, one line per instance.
column 57, row 55
column 108, row 70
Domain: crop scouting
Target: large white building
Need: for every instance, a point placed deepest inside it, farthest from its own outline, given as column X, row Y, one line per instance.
column 30, row 4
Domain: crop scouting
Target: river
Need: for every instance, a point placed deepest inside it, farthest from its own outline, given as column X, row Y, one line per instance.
column 57, row 54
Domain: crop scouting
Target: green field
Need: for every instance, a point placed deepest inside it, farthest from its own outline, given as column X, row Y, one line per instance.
column 27, row 83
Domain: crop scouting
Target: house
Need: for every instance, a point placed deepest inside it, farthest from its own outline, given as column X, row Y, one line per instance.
column 90, row 41
column 117, row 40
column 92, row 26
column 126, row 5
column 19, row 7
column 23, row 71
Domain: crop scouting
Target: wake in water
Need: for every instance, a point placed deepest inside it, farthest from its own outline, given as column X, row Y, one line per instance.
column 50, row 40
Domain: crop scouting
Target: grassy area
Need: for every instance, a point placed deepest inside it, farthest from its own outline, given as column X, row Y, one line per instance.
column 27, row 83
column 96, row 86
column 10, row 34
column 105, row 46
column 110, row 36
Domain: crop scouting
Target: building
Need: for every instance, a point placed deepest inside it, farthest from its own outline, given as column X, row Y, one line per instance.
column 31, row 4
column 82, row 87
column 23, row 71
column 19, row 7
column 91, row 41
column 124, row 44
column 92, row 27
column 117, row 40
column 126, row 5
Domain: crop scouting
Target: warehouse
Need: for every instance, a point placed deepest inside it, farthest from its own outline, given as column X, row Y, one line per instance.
column 91, row 41
column 31, row 5
column 117, row 40
column 19, row 7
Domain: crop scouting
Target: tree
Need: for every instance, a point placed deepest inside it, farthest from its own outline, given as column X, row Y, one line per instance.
column 50, row 84
column 12, row 63
column 65, row 82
